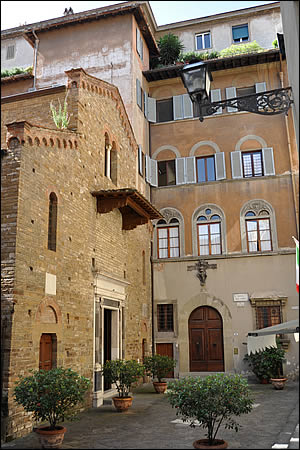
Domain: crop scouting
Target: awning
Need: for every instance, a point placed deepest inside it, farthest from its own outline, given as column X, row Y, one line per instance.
column 135, row 209
column 266, row 337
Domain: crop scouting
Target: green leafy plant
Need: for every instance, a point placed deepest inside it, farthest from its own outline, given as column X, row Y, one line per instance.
column 266, row 364
column 51, row 395
column 158, row 366
column 250, row 47
column 122, row 373
column 275, row 43
column 61, row 118
column 15, row 71
column 190, row 57
column 211, row 401
column 170, row 47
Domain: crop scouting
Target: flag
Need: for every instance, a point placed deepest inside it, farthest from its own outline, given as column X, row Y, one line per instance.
column 297, row 263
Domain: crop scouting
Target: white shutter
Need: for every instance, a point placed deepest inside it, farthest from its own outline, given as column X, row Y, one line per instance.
column 138, row 93
column 146, row 105
column 138, row 41
column 220, row 166
column 236, row 165
column 190, row 169
column 260, row 87
column 177, row 107
column 231, row 93
column 153, row 176
column 215, row 96
column 187, row 106
column 180, row 170
column 151, row 114
column 141, row 48
column 140, row 156
column 268, row 161
column 148, row 168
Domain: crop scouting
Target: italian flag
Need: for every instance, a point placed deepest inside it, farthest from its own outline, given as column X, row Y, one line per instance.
column 297, row 263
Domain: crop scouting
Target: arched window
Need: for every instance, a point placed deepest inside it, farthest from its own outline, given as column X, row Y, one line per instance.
column 52, row 224
column 169, row 235
column 209, row 231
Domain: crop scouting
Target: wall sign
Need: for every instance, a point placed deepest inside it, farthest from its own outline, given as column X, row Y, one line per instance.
column 240, row 297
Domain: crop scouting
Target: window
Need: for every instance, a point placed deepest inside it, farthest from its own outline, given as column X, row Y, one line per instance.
column 258, row 234
column 203, row 41
column 139, row 44
column 240, row 92
column 141, row 161
column 166, row 173
column 139, row 94
column 267, row 316
column 52, row 223
column 165, row 320
column 206, row 169
column 168, row 240
column 10, row 52
column 240, row 33
column 164, row 110
column 209, row 234
column 252, row 164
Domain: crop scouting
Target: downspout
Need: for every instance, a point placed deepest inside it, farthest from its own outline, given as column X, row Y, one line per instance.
column 36, row 46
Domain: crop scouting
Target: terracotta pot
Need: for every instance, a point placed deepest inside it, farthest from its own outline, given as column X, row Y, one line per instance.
column 51, row 438
column 122, row 403
column 278, row 383
column 264, row 381
column 160, row 388
column 203, row 443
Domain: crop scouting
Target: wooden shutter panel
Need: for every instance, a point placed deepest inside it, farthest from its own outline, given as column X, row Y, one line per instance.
column 268, row 161
column 231, row 93
column 220, row 166
column 190, row 169
column 180, row 170
column 153, row 176
column 260, row 87
column 236, row 165
column 177, row 107
column 138, row 93
column 140, row 160
column 148, row 168
column 215, row 95
column 146, row 104
column 141, row 48
column 138, row 41
column 187, row 106
column 151, row 115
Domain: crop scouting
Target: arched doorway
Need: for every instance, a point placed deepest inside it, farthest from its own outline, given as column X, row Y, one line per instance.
column 206, row 340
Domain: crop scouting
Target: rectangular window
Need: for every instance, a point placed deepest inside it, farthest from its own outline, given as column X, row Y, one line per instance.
column 245, row 91
column 267, row 316
column 206, row 169
column 164, row 110
column 166, row 173
column 165, row 320
column 209, row 238
column 252, row 164
column 10, row 52
column 240, row 33
column 203, row 41
column 168, row 242
column 258, row 235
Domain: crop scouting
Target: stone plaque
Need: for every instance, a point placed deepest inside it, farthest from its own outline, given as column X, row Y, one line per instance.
column 240, row 297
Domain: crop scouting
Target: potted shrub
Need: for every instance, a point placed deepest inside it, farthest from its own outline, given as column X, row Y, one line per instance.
column 159, row 366
column 51, row 396
column 267, row 365
column 122, row 373
column 170, row 47
column 210, row 402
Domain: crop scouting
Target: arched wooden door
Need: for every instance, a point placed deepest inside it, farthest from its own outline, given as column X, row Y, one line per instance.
column 206, row 340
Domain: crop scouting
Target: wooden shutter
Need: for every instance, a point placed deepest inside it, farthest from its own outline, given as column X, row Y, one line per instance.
column 138, row 41
column 187, row 106
column 138, row 93
column 140, row 160
column 268, row 161
column 148, row 168
column 231, row 93
column 220, row 166
column 236, row 165
column 215, row 96
column 190, row 169
column 151, row 114
column 260, row 87
column 180, row 170
column 177, row 107
column 153, row 176
column 146, row 105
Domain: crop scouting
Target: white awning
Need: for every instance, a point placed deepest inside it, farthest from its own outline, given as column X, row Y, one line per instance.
column 265, row 337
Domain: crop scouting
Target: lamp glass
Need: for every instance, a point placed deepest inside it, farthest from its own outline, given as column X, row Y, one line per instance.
column 196, row 79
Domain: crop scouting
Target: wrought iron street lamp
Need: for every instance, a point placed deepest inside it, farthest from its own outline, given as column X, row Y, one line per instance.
column 196, row 78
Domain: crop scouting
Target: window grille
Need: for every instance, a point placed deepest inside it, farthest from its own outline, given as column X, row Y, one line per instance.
column 165, row 320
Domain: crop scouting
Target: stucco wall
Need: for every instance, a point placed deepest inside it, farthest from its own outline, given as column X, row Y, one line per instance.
column 23, row 53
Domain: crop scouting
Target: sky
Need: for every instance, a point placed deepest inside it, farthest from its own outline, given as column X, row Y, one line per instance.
column 17, row 13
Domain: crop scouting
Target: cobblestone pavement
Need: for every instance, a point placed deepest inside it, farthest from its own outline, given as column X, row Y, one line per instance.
column 151, row 423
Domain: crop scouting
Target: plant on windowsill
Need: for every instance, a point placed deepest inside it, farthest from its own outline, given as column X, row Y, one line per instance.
column 159, row 366
column 122, row 373
column 51, row 396
column 209, row 402
column 267, row 365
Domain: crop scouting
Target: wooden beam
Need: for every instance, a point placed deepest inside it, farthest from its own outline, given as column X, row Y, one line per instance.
column 105, row 205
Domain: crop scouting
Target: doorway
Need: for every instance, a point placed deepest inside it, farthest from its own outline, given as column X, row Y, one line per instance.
column 166, row 350
column 107, row 342
column 206, row 340
column 47, row 351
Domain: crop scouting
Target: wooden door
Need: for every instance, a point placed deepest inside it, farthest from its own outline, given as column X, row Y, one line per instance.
column 107, row 342
column 166, row 350
column 45, row 352
column 206, row 340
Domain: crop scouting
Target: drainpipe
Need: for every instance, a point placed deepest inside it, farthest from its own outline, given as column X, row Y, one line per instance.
column 36, row 46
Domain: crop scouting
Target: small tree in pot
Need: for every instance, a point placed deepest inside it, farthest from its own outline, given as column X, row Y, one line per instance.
column 122, row 373
column 51, row 396
column 267, row 365
column 210, row 402
column 159, row 366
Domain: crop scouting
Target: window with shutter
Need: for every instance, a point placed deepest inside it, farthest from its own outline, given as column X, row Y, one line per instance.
column 140, row 160
column 236, row 164
column 154, row 174
column 268, row 161
column 190, row 169
column 151, row 109
column 231, row 93
column 215, row 96
column 252, row 164
column 166, row 173
column 180, row 170
column 260, row 87
column 177, row 107
column 240, row 33
column 205, row 169
column 10, row 52
column 164, row 110
column 220, row 166
column 138, row 93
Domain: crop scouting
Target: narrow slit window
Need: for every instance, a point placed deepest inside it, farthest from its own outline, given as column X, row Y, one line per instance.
column 52, row 224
